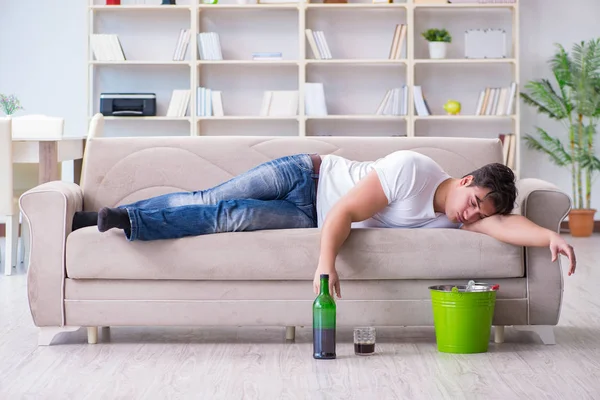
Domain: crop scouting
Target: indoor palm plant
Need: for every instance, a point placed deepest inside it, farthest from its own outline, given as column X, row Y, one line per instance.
column 438, row 42
column 574, row 101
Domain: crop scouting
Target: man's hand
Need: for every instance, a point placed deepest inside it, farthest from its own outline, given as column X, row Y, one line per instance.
column 334, row 282
column 558, row 245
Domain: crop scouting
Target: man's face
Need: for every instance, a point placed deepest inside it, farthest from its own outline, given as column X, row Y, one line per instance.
column 467, row 204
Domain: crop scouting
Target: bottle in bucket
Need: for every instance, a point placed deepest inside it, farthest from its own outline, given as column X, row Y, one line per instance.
column 462, row 316
column 324, row 313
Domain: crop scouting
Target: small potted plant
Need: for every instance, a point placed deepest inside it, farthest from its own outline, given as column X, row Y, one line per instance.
column 9, row 104
column 438, row 42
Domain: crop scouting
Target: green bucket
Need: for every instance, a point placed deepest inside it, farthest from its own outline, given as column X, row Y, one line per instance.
column 463, row 317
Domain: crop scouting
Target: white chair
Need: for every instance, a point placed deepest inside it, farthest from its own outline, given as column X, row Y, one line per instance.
column 9, row 208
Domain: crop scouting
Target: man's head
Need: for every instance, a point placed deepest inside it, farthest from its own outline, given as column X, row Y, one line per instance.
column 484, row 192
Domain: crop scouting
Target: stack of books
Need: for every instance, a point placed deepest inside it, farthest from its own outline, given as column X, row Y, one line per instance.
column 318, row 44
column 267, row 56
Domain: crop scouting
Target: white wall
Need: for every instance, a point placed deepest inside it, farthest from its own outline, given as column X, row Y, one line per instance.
column 43, row 60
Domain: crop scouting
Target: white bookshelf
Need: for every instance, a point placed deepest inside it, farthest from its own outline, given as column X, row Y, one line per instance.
column 355, row 79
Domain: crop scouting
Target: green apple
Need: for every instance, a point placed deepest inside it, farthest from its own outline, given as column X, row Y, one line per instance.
column 452, row 107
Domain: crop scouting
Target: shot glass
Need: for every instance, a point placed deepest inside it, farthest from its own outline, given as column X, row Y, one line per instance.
column 364, row 341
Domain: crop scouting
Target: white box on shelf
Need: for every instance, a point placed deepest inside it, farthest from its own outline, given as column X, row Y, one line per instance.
column 485, row 43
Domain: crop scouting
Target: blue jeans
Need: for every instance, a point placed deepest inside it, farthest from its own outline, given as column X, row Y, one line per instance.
column 278, row 194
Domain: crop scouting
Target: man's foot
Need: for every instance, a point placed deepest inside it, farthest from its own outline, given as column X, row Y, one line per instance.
column 81, row 219
column 109, row 218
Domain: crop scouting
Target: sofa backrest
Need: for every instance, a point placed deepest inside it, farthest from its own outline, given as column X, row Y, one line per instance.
column 121, row 170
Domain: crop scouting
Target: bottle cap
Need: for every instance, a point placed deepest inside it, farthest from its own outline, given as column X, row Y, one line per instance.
column 324, row 276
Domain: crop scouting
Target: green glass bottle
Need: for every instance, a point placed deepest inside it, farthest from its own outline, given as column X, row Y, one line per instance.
column 324, row 312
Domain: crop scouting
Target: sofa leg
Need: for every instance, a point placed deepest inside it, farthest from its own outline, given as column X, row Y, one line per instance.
column 47, row 333
column 290, row 332
column 92, row 333
column 545, row 332
column 499, row 333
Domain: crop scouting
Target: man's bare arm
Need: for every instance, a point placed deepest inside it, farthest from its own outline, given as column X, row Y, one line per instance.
column 520, row 231
column 360, row 203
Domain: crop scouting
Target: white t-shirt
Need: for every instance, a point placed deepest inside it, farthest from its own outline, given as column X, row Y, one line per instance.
column 409, row 181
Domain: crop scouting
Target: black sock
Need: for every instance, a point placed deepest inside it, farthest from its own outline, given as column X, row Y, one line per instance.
column 81, row 219
column 113, row 218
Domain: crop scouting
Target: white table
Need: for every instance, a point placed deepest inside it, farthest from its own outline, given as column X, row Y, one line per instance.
column 48, row 152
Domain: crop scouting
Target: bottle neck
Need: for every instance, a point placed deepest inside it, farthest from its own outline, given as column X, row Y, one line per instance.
column 324, row 286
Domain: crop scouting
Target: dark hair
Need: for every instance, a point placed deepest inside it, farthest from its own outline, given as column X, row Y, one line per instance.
column 500, row 180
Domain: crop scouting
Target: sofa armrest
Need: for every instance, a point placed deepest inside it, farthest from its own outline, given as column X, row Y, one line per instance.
column 547, row 206
column 48, row 209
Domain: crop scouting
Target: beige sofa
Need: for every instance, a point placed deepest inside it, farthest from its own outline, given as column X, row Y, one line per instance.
column 88, row 279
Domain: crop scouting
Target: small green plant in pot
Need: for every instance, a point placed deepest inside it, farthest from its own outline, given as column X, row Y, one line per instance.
column 438, row 42
column 574, row 101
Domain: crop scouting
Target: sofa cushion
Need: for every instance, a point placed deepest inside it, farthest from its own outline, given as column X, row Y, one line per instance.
column 292, row 255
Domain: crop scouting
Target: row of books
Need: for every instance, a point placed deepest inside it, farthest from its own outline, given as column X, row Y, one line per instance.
column 318, row 44
column 398, row 42
column 182, row 44
column 395, row 102
column 209, row 46
column 279, row 103
column 106, row 47
column 509, row 149
column 497, row 100
column 209, row 102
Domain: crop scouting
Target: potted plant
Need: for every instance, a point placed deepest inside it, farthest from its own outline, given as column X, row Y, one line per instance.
column 575, row 103
column 438, row 42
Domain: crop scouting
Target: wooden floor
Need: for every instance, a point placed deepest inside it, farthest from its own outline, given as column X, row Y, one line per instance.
column 247, row 363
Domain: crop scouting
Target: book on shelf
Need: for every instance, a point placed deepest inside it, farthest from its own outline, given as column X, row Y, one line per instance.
column 509, row 149
column 499, row 101
column 279, row 103
column 180, row 100
column 182, row 45
column 209, row 102
column 318, row 44
column 267, row 55
column 107, row 47
column 421, row 105
column 209, row 46
column 398, row 42
column 395, row 102
column 314, row 99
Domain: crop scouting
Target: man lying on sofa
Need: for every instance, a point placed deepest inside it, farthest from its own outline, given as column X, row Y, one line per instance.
column 405, row 189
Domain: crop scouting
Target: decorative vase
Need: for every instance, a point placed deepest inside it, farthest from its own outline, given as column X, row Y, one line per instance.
column 437, row 50
column 581, row 222
column 169, row 2
column 113, row 2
